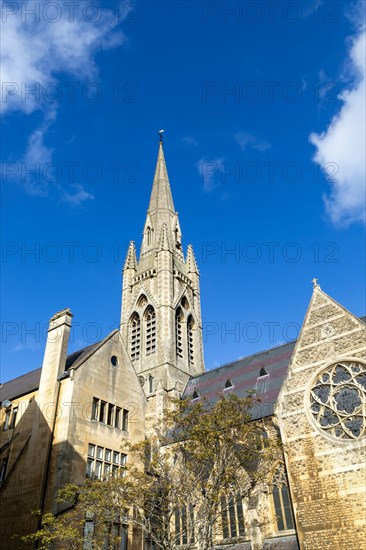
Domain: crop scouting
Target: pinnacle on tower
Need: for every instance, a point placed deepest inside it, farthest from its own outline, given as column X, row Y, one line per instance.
column 131, row 260
column 191, row 261
column 164, row 238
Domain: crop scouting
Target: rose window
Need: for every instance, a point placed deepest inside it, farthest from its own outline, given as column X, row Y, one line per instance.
column 338, row 400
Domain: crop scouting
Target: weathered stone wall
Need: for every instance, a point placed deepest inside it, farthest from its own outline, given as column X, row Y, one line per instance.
column 327, row 472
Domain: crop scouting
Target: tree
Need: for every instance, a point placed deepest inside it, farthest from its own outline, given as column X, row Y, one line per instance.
column 182, row 483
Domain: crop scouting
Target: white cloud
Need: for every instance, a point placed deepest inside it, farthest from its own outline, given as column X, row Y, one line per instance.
column 245, row 140
column 77, row 198
column 210, row 171
column 190, row 140
column 34, row 53
column 341, row 147
column 36, row 156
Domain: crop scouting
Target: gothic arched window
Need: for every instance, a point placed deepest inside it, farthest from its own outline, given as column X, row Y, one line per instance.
column 149, row 236
column 178, row 333
column 150, row 334
column 135, row 336
column 190, row 326
column 281, row 500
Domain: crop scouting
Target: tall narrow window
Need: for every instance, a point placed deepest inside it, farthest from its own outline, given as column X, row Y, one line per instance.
column 149, row 236
column 178, row 333
column 184, row 525
column 151, row 383
column 177, row 527
column 232, row 517
column 281, row 500
column 190, row 326
column 3, row 466
column 95, row 409
column 7, row 419
column 135, row 337
column 13, row 418
column 117, row 419
column 102, row 409
column 110, row 417
column 124, row 537
column 125, row 420
column 150, row 338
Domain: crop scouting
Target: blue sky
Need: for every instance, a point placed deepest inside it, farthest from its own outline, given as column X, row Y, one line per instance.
column 263, row 111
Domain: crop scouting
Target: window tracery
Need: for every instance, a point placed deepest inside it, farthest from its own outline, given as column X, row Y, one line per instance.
column 338, row 400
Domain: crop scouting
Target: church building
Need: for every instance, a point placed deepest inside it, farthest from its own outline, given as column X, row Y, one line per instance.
column 71, row 418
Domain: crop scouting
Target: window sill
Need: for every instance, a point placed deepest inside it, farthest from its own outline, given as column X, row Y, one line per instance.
column 234, row 540
column 284, row 533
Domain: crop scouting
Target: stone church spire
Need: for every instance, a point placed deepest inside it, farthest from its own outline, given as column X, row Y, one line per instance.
column 161, row 195
column 161, row 312
column 161, row 212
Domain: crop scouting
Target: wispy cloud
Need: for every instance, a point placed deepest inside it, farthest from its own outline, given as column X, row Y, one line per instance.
column 340, row 149
column 38, row 155
column 79, row 197
column 210, row 172
column 245, row 140
column 28, row 346
column 190, row 140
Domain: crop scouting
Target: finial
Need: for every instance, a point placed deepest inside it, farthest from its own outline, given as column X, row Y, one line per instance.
column 315, row 283
column 161, row 132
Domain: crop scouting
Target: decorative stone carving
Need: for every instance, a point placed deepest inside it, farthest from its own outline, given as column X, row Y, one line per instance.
column 327, row 331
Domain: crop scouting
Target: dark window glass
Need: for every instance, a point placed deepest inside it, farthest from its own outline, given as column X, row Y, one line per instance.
column 240, row 514
column 95, row 408
column 102, row 411
column 110, row 416
column 3, row 467
column 125, row 420
column 117, row 419
column 233, row 529
column 225, row 526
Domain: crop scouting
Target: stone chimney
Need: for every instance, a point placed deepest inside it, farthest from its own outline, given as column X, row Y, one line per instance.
column 54, row 357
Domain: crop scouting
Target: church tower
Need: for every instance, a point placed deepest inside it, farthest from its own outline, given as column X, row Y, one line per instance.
column 161, row 312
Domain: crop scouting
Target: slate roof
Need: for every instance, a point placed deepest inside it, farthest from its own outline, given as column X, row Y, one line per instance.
column 29, row 382
column 21, row 385
column 244, row 374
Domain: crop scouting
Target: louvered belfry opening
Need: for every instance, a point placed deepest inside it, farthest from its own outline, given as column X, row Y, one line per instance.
column 135, row 337
column 190, row 326
column 150, row 341
column 179, row 333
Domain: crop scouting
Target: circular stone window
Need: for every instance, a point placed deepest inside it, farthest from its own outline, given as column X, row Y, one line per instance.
column 337, row 400
column 114, row 360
